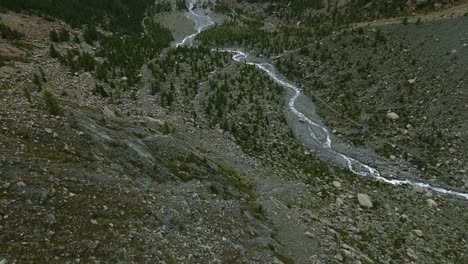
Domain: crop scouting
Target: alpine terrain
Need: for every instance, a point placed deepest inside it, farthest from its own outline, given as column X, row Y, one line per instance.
column 233, row 131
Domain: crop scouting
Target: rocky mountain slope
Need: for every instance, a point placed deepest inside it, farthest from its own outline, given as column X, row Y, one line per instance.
column 172, row 167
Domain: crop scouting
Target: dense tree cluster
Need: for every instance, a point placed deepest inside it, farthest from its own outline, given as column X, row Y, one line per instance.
column 161, row 6
column 270, row 42
column 181, row 5
column 118, row 56
column 249, row 97
column 76, row 60
column 118, row 15
column 124, row 55
column 196, row 63
column 295, row 5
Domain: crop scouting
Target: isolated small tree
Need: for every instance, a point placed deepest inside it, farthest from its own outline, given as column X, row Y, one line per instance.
column 63, row 35
column 155, row 87
column 101, row 91
column 90, row 35
column 27, row 94
column 418, row 22
column 405, row 20
column 53, row 35
column 37, row 81
column 51, row 103
column 53, row 52
column 76, row 39
column 43, row 75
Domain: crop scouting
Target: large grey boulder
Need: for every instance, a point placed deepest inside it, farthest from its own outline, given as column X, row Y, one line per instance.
column 393, row 116
column 364, row 200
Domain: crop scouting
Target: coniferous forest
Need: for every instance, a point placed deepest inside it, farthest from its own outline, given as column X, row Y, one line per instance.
column 118, row 15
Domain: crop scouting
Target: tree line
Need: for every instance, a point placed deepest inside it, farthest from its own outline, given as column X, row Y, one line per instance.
column 116, row 15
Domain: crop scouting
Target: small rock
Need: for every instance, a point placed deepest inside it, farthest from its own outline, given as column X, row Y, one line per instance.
column 6, row 185
column 412, row 81
column 393, row 116
column 347, row 253
column 366, row 259
column 338, row 257
column 431, row 203
column 404, row 218
column 277, row 261
column 21, row 184
column 3, row 261
column 452, row 150
column 364, row 200
column 339, row 202
column 48, row 130
column 392, row 157
column 309, row 234
column 108, row 112
column 94, row 222
column 336, row 184
column 418, row 232
column 410, row 252
column 418, row 189
column 50, row 219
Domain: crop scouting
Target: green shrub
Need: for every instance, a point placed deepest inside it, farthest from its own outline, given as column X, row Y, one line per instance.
column 43, row 75
column 37, row 81
column 405, row 20
column 155, row 87
column 53, row 52
column 27, row 94
column 51, row 103
column 53, row 35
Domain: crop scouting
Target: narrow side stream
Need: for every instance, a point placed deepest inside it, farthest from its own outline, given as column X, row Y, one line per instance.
column 202, row 22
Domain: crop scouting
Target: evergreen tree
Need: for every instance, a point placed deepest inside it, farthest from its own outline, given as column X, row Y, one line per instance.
column 53, row 52
column 63, row 35
column 53, row 35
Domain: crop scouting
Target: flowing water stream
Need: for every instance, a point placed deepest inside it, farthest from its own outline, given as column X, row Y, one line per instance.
column 309, row 129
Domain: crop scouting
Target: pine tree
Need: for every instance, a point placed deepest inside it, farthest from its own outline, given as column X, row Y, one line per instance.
column 53, row 52
column 53, row 35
